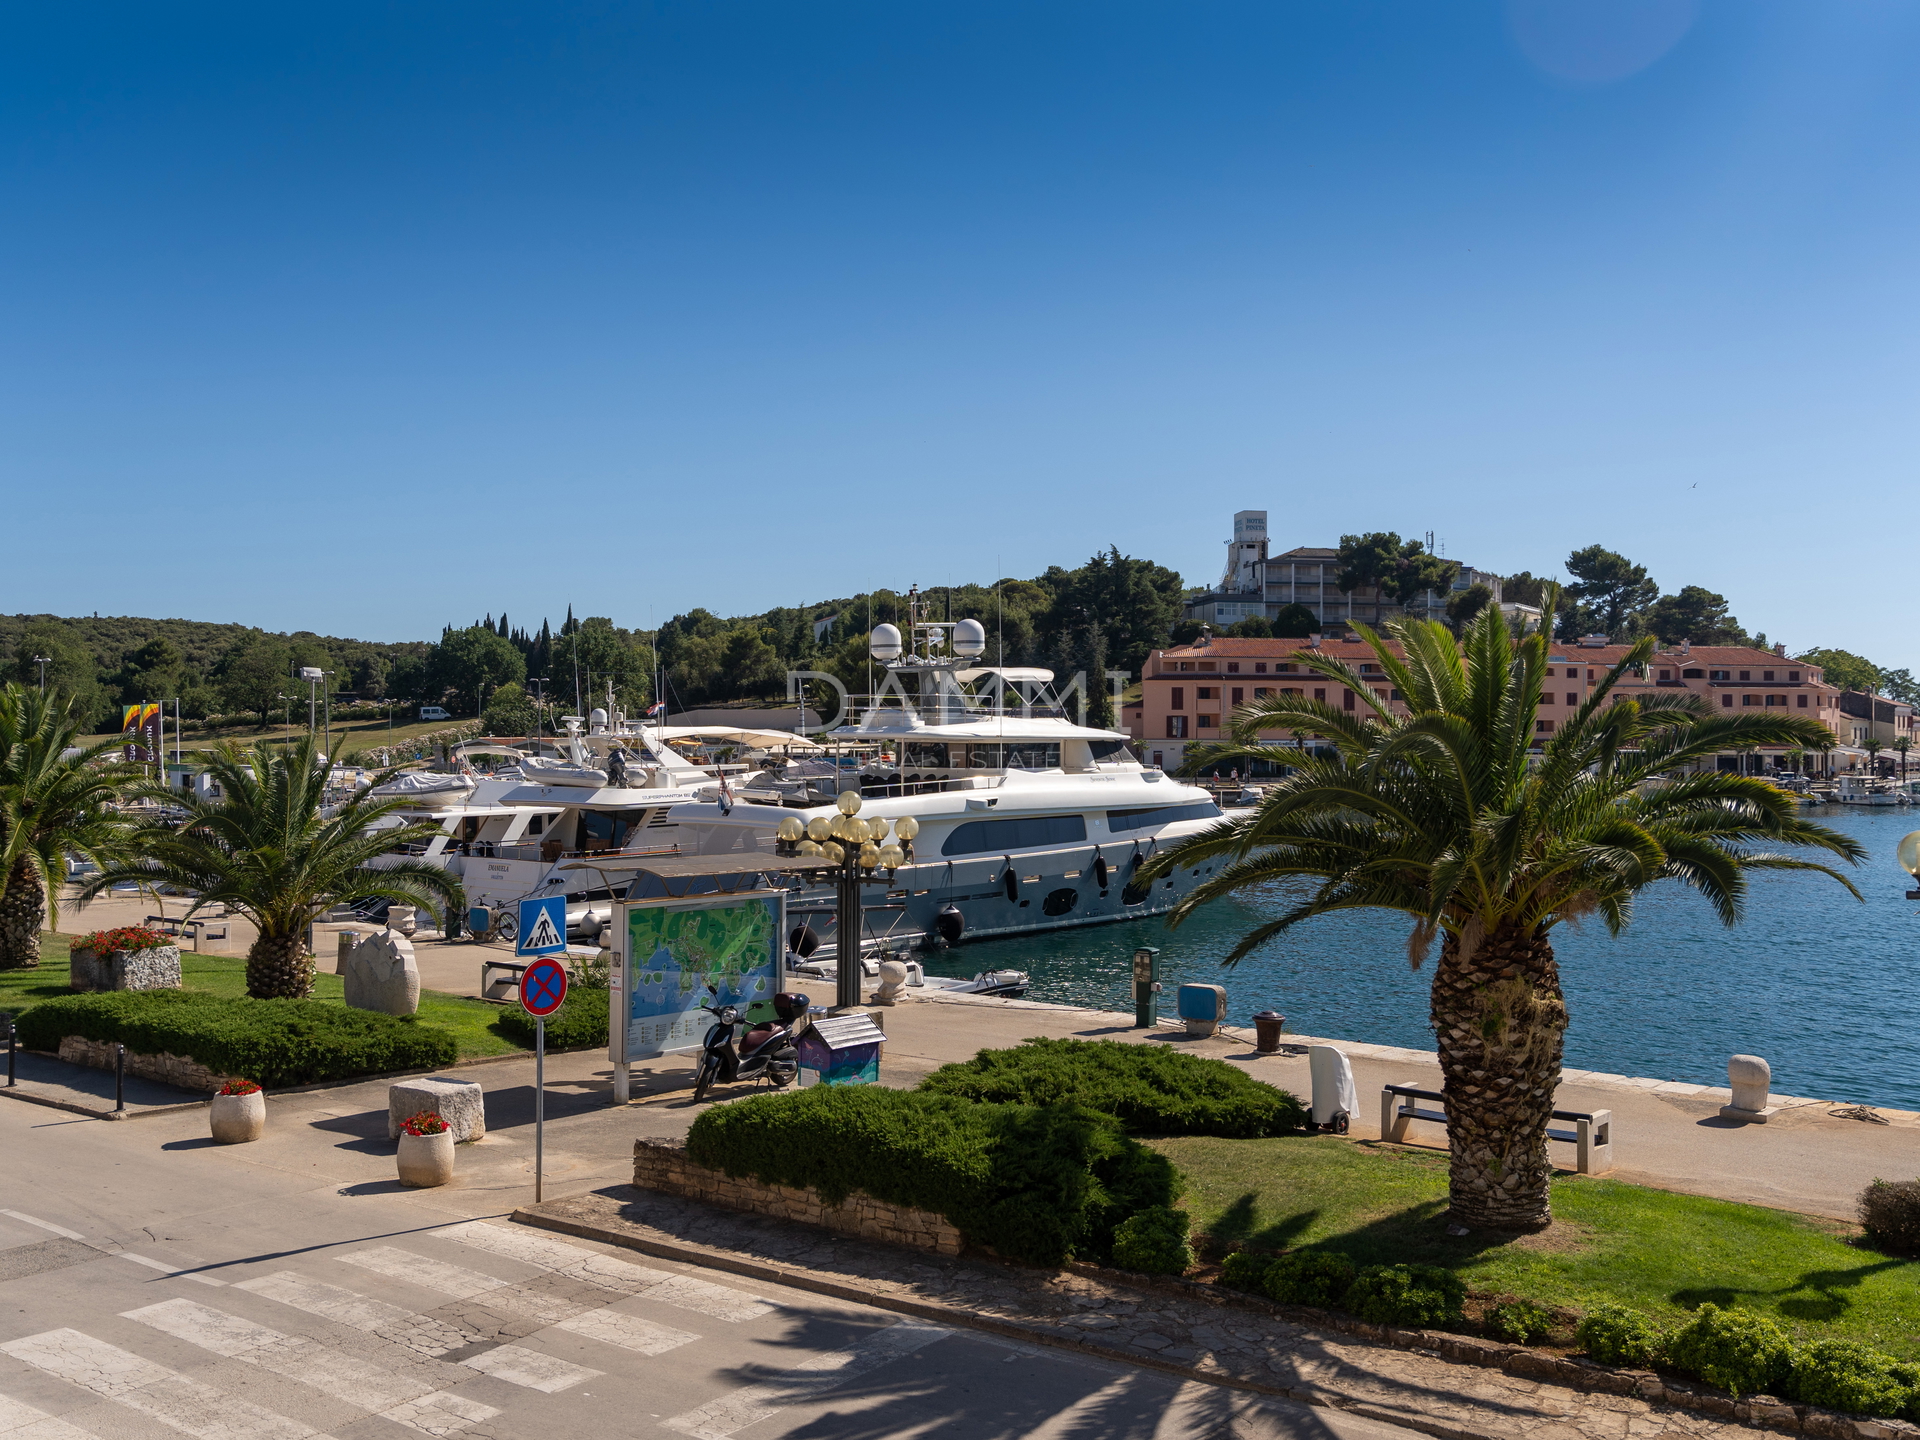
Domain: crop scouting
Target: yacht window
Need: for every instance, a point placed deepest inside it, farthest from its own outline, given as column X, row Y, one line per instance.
column 1102, row 751
column 1161, row 815
column 925, row 753
column 536, row 824
column 978, row 836
column 1033, row 756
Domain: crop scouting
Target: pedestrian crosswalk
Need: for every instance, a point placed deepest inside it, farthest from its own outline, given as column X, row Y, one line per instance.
column 341, row 1331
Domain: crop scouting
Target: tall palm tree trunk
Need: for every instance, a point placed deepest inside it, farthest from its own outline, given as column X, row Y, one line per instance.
column 23, row 909
column 1500, row 1019
column 278, row 968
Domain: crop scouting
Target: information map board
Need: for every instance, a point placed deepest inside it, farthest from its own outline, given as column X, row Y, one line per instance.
column 670, row 951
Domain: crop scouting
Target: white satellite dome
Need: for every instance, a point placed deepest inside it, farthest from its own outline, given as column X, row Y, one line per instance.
column 884, row 642
column 969, row 638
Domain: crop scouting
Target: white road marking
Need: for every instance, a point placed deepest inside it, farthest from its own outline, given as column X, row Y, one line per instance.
column 45, row 1225
column 419, row 1333
column 532, row 1247
column 172, row 1399
column 737, row 1409
column 629, row 1332
column 510, row 1296
column 406, row 1393
column 19, row 1421
column 166, row 1269
column 530, row 1368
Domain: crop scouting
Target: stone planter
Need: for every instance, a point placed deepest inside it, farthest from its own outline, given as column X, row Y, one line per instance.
column 154, row 969
column 237, row 1119
column 426, row 1159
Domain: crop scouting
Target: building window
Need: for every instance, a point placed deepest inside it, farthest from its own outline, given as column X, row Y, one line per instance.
column 1549, row 672
column 1209, row 665
column 1176, row 727
column 1749, row 699
column 1803, row 701
column 1766, row 675
column 1779, row 700
column 1396, row 695
column 1320, row 695
column 1545, row 727
column 1589, row 674
column 1369, row 668
column 1346, row 700
column 1206, row 692
column 1693, row 674
column 1719, row 675
column 1179, row 701
column 1286, row 669
column 1260, row 667
column 1727, row 701
column 1573, row 699
column 1793, row 677
column 1546, row 697
column 1664, row 674
column 1746, row 675
column 1186, row 665
column 1238, row 695
column 1233, row 667
column 1209, row 722
column 1259, row 692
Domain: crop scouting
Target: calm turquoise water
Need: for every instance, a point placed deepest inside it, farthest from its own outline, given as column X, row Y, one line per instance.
column 1826, row 987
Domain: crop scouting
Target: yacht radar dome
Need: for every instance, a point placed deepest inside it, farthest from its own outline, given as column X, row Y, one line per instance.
column 969, row 638
column 884, row 643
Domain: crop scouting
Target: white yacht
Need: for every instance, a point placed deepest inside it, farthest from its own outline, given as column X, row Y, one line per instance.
column 1025, row 820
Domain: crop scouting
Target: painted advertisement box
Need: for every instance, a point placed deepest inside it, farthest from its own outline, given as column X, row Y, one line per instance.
column 673, row 950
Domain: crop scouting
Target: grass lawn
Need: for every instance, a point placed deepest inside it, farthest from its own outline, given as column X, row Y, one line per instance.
column 361, row 735
column 1652, row 1249
column 474, row 1023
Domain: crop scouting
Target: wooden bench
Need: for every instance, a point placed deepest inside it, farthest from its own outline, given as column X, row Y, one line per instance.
column 509, row 987
column 1591, row 1135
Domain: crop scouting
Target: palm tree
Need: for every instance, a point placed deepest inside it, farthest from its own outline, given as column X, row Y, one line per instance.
column 1903, row 743
column 1872, row 747
column 1452, row 817
column 54, row 801
column 266, row 851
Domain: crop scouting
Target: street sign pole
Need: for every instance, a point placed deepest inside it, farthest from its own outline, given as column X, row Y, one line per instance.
column 539, row 1103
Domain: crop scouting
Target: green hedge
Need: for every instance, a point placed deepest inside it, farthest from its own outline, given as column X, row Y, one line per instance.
column 1149, row 1088
column 276, row 1042
column 579, row 1024
column 1036, row 1183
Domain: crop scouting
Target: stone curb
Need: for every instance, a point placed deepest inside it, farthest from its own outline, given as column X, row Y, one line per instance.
column 1756, row 1412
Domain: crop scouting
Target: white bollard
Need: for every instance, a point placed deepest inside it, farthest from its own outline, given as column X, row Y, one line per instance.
column 1750, row 1078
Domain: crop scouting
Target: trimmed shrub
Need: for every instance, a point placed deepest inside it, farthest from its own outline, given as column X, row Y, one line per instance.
column 1846, row 1375
column 1037, row 1183
column 579, row 1024
column 1620, row 1335
column 1310, row 1277
column 1154, row 1242
column 1520, row 1321
column 1890, row 1214
column 276, row 1042
column 1150, row 1089
column 1407, row 1295
column 1740, row 1351
column 1246, row 1270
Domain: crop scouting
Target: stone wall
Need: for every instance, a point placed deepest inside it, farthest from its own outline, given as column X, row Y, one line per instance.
column 663, row 1165
column 154, row 969
column 168, row 1069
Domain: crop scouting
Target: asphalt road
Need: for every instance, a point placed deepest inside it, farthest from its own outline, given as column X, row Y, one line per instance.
column 152, row 1286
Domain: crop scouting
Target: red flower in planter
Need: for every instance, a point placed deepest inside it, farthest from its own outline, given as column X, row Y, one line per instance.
column 427, row 1122
column 239, row 1087
column 127, row 938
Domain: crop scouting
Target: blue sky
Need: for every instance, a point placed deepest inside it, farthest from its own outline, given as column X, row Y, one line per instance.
column 367, row 318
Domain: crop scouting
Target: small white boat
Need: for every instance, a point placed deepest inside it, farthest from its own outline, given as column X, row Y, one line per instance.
column 537, row 771
column 426, row 788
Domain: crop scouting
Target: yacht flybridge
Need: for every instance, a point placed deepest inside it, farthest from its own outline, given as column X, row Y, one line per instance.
column 1026, row 820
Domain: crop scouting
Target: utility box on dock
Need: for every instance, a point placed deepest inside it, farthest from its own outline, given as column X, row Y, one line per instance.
column 841, row 1050
column 1203, row 1007
column 1146, row 988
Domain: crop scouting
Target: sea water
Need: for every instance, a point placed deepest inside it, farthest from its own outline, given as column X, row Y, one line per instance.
column 1824, row 986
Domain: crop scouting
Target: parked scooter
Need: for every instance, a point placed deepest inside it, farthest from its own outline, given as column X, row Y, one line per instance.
column 766, row 1052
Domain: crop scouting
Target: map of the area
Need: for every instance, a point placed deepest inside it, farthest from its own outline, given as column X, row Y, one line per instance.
column 676, row 953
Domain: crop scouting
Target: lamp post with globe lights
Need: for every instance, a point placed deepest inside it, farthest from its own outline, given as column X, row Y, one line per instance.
column 852, row 852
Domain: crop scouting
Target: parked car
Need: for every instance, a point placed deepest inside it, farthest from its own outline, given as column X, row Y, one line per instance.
column 433, row 712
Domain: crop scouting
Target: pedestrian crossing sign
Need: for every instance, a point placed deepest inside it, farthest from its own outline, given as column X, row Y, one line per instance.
column 543, row 926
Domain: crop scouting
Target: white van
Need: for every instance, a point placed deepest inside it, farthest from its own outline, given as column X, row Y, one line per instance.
column 433, row 712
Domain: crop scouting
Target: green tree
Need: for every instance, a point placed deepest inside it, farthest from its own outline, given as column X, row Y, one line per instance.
column 267, row 850
column 509, row 712
column 469, row 661
column 1487, row 835
column 70, row 672
column 603, row 652
column 1135, row 601
column 1900, row 685
column 1845, row 669
column 156, row 671
column 1609, row 588
column 1402, row 570
column 1696, row 614
column 1295, row 622
column 252, row 676
column 1526, row 588
column 52, row 804
column 1462, row 608
column 1254, row 627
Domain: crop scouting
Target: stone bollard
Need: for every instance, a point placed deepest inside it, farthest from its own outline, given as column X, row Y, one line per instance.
column 346, row 939
column 893, row 980
column 1750, row 1078
column 402, row 919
